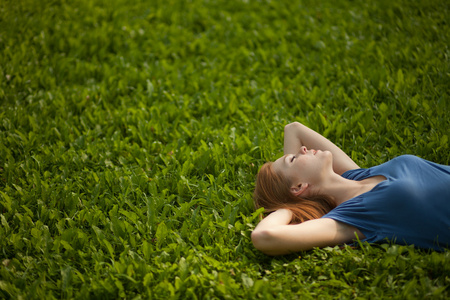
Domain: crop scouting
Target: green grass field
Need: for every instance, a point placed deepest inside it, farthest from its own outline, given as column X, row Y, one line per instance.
column 131, row 133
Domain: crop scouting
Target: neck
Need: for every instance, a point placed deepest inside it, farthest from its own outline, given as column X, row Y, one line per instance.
column 341, row 189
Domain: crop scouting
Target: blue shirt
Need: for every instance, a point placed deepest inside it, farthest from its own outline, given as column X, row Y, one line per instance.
column 412, row 206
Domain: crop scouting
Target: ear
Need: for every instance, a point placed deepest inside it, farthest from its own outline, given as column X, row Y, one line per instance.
column 299, row 189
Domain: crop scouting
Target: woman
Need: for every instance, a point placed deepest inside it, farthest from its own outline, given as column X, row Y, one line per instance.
column 319, row 197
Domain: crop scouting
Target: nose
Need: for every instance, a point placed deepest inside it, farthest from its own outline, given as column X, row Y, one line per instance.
column 303, row 150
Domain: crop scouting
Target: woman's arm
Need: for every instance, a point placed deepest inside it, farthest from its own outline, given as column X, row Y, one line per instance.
column 297, row 135
column 274, row 236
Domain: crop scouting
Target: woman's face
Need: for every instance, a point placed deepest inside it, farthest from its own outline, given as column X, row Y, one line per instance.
column 307, row 166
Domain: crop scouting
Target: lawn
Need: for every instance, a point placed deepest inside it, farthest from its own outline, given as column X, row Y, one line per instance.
column 131, row 133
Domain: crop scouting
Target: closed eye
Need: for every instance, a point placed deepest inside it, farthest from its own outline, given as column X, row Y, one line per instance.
column 293, row 157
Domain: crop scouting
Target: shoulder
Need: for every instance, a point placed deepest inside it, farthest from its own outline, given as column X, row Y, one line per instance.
column 397, row 162
column 407, row 164
column 356, row 174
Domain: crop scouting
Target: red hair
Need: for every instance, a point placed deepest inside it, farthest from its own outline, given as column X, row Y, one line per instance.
column 272, row 192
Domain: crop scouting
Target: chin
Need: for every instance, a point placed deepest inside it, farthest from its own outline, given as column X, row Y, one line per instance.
column 329, row 156
column 327, row 153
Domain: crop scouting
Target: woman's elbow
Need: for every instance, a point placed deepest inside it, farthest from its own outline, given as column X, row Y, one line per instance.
column 292, row 125
column 263, row 241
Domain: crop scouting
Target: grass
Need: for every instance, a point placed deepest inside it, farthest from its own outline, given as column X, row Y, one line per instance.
column 131, row 133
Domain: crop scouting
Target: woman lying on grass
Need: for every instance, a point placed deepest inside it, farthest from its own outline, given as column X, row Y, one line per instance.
column 319, row 197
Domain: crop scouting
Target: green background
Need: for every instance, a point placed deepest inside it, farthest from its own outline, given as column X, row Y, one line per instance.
column 131, row 133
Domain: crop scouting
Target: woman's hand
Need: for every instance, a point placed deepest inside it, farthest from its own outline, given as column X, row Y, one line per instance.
column 297, row 135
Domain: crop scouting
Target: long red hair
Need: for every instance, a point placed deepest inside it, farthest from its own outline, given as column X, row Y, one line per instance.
column 272, row 192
